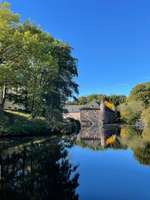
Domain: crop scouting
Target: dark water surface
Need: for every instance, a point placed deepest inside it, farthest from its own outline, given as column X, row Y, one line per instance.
column 100, row 164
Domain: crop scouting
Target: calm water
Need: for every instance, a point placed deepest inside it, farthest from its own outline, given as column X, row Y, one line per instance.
column 100, row 164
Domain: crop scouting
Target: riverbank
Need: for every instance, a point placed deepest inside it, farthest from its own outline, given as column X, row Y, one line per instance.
column 21, row 124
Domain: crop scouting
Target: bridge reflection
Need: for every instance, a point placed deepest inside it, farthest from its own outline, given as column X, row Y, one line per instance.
column 104, row 136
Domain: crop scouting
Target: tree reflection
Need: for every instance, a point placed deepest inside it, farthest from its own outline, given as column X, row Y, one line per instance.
column 38, row 171
column 139, row 142
column 142, row 154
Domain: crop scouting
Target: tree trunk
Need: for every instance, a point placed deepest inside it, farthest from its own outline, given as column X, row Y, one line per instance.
column 3, row 98
column 26, row 102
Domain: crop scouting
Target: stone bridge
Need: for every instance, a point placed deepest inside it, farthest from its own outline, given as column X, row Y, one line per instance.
column 92, row 114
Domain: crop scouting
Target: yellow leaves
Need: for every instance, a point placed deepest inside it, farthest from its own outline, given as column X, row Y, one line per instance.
column 111, row 140
column 124, row 114
column 6, row 16
column 8, row 21
column 31, row 42
column 30, row 38
column 123, row 132
column 109, row 105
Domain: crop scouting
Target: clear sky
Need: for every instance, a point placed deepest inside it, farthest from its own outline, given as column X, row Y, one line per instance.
column 111, row 38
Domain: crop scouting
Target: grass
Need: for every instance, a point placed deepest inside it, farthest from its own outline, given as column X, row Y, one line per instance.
column 19, row 123
column 21, row 114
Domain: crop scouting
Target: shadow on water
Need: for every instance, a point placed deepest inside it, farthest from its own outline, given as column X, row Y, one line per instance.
column 37, row 170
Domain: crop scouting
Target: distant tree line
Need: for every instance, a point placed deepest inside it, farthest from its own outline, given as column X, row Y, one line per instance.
column 36, row 70
column 115, row 99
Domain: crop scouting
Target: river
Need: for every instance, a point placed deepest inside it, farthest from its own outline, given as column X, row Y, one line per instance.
column 97, row 164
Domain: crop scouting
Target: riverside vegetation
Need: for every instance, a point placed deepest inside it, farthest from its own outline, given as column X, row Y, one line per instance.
column 36, row 73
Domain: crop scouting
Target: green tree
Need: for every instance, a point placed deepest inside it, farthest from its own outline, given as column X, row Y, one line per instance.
column 141, row 92
column 36, row 71
column 9, row 54
column 82, row 100
column 117, row 99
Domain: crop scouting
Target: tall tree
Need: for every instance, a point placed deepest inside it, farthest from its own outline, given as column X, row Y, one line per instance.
column 36, row 70
column 8, row 54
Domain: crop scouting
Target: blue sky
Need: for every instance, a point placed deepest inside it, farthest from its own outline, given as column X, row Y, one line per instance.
column 111, row 38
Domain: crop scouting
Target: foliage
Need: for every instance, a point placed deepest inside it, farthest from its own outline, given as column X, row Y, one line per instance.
column 36, row 70
column 9, row 53
column 146, row 134
column 141, row 92
column 146, row 117
column 115, row 99
column 137, row 106
column 82, row 100
column 131, row 111
column 142, row 154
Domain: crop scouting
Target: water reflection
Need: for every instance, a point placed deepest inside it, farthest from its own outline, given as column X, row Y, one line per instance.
column 116, row 168
column 37, row 170
column 100, row 137
column 41, row 168
column 142, row 154
column 117, row 137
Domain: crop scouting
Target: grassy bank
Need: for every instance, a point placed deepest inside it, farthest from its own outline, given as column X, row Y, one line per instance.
column 21, row 124
column 17, row 123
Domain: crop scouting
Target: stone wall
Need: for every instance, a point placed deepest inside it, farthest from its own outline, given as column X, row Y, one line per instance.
column 90, row 116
